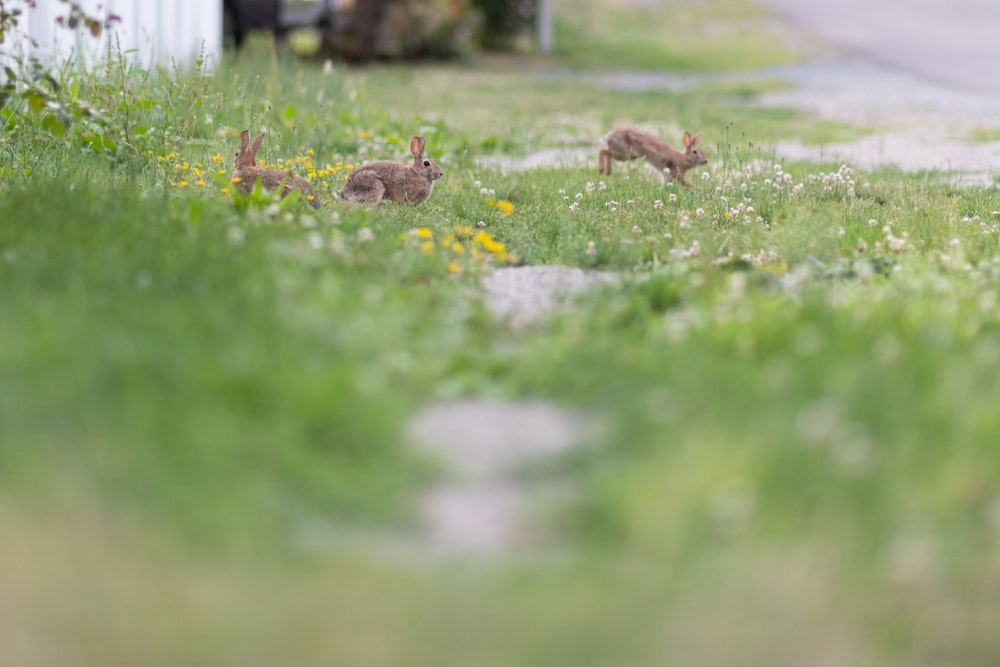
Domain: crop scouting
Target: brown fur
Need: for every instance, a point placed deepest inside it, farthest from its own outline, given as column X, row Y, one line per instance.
column 629, row 144
column 246, row 169
column 384, row 179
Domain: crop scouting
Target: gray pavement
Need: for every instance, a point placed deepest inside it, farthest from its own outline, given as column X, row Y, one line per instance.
column 953, row 42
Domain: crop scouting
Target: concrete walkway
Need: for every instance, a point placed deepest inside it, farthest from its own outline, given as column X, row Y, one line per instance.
column 956, row 43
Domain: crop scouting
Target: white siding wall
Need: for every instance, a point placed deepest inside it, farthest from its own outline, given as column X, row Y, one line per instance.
column 150, row 33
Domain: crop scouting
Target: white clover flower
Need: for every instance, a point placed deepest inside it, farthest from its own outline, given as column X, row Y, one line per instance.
column 897, row 243
column 365, row 235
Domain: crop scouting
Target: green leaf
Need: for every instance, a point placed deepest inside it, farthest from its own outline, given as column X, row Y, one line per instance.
column 53, row 124
column 36, row 100
column 9, row 119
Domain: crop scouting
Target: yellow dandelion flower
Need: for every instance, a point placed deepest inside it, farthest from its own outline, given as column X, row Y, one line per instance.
column 200, row 183
column 505, row 206
column 221, row 172
column 454, row 267
column 149, row 152
column 236, row 179
column 348, row 166
column 484, row 239
column 182, row 184
column 464, row 230
column 427, row 247
column 457, row 248
column 424, row 232
column 225, row 191
column 217, row 158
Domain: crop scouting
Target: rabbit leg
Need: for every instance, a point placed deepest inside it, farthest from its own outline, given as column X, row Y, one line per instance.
column 365, row 186
column 678, row 176
column 604, row 161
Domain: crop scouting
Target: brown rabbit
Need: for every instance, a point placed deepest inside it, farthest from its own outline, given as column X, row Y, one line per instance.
column 383, row 179
column 630, row 143
column 247, row 172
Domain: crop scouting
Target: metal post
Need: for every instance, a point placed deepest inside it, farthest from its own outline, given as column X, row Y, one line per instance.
column 544, row 26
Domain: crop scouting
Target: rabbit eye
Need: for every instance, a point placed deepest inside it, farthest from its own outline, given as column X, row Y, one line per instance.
column 427, row 163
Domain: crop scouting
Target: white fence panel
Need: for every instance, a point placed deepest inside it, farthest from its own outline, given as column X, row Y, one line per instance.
column 151, row 32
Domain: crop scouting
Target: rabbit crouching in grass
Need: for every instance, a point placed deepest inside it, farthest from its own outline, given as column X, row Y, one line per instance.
column 405, row 183
column 246, row 172
column 630, row 143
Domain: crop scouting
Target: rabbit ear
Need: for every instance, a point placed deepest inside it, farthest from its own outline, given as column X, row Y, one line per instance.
column 694, row 140
column 417, row 146
column 687, row 138
column 244, row 140
column 252, row 155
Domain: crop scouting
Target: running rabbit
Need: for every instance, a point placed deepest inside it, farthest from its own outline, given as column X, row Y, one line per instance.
column 383, row 179
column 246, row 172
column 630, row 143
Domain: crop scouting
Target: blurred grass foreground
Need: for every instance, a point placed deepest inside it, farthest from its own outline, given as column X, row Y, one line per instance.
column 236, row 431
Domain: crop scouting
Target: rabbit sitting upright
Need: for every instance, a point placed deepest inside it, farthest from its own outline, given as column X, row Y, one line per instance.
column 630, row 143
column 246, row 172
column 384, row 179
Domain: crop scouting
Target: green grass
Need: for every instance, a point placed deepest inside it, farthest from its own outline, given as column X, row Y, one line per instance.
column 797, row 382
column 984, row 134
column 676, row 36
